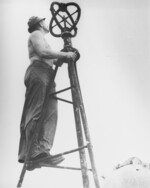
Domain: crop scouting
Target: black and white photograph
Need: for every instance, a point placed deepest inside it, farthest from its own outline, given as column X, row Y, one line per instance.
column 75, row 94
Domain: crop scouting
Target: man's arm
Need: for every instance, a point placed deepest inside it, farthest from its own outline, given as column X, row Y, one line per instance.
column 44, row 51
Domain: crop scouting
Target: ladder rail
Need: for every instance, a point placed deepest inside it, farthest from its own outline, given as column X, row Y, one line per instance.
column 86, row 130
column 78, row 123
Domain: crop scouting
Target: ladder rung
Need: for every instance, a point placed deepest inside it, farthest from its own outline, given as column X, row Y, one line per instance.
column 60, row 154
column 61, row 91
column 64, row 100
column 63, row 167
column 70, row 151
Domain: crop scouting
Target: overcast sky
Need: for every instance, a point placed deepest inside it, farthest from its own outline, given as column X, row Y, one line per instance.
column 114, row 72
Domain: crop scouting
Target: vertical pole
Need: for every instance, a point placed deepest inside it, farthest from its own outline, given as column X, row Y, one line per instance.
column 76, row 107
column 21, row 176
column 87, row 132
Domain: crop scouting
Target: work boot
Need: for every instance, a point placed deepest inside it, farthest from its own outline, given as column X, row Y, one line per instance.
column 44, row 159
column 53, row 160
column 35, row 161
column 33, row 166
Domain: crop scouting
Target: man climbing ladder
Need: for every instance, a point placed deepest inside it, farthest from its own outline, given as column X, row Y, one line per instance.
column 37, row 79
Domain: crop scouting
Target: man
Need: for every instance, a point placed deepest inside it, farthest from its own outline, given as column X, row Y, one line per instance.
column 37, row 80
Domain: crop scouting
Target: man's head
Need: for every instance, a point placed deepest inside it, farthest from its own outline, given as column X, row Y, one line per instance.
column 36, row 23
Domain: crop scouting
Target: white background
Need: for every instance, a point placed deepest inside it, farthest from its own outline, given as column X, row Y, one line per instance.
column 114, row 72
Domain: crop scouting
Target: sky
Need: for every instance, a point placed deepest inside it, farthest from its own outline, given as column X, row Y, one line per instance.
column 113, row 39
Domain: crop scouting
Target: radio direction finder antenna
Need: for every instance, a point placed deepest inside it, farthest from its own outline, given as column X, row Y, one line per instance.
column 65, row 17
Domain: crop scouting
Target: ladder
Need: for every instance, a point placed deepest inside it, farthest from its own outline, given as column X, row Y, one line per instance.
column 67, row 31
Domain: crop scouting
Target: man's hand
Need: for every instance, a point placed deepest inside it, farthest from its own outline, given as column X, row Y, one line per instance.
column 71, row 56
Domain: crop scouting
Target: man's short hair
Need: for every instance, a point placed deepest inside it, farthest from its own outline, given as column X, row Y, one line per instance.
column 33, row 23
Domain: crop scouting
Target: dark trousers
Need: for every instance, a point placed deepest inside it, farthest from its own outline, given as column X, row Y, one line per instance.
column 37, row 80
